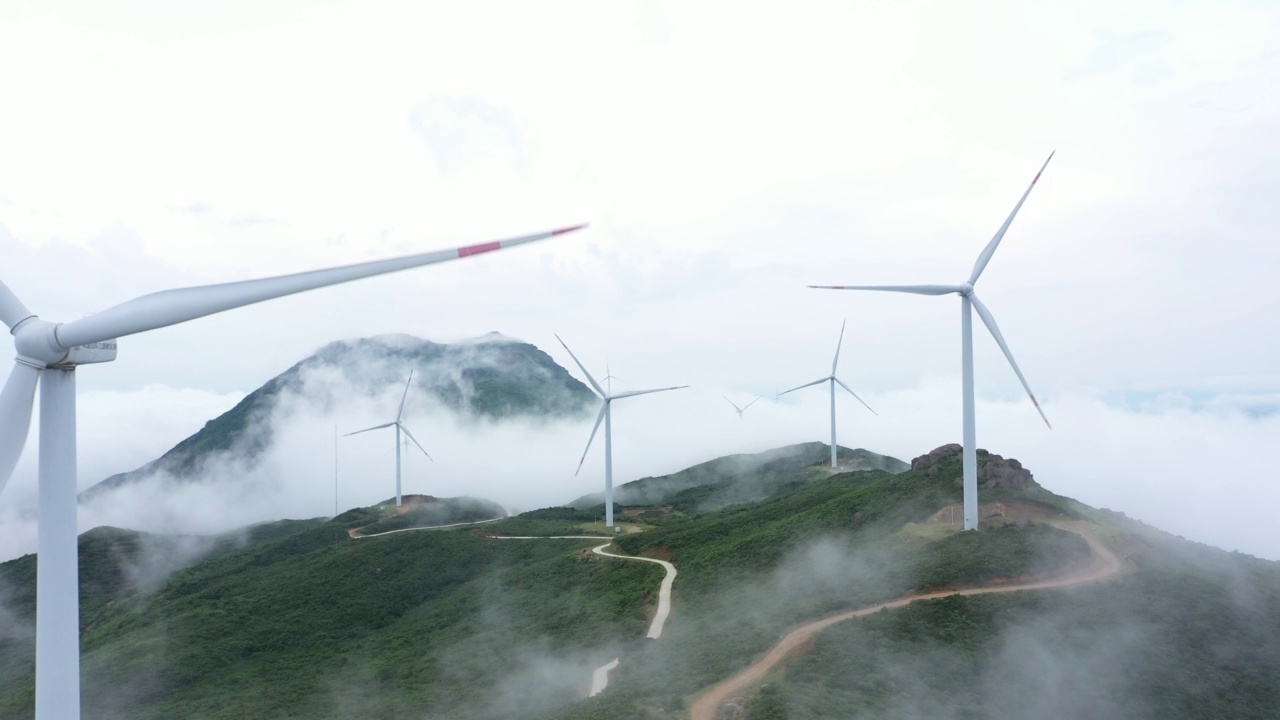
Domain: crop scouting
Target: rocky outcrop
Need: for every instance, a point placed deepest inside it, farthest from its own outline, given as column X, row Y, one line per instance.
column 935, row 456
column 993, row 470
column 1001, row 473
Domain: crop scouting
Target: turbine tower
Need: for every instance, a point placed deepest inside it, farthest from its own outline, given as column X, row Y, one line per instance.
column 607, row 417
column 742, row 409
column 969, row 301
column 834, row 381
column 48, row 353
column 399, row 426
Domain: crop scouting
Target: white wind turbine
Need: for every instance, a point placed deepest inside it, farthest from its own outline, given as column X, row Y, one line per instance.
column 49, row 353
column 399, row 426
column 742, row 409
column 607, row 417
column 969, row 300
column 834, row 381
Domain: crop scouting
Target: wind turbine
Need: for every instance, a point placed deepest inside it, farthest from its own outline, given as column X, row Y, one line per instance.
column 399, row 426
column 968, row 301
column 742, row 409
column 834, row 381
column 48, row 353
column 610, row 377
column 607, row 417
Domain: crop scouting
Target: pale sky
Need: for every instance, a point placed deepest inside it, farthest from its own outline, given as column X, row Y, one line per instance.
column 726, row 156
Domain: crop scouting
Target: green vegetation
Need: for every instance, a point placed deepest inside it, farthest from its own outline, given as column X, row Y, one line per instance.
column 547, row 522
column 317, row 625
column 750, row 571
column 298, row 620
column 738, row 479
column 1162, row 643
column 434, row 512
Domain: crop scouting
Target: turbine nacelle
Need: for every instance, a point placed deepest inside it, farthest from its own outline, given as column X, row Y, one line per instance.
column 37, row 344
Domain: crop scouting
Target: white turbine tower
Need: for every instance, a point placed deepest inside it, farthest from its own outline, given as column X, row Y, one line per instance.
column 742, row 409
column 607, row 417
column 399, row 426
column 49, row 352
column 969, row 300
column 834, row 381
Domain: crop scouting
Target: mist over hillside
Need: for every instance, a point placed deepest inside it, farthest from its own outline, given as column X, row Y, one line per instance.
column 334, row 619
column 492, row 378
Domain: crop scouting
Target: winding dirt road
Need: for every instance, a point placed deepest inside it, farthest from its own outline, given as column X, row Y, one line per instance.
column 600, row 676
column 1103, row 565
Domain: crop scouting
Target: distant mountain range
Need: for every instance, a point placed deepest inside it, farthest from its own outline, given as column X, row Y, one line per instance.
column 490, row 378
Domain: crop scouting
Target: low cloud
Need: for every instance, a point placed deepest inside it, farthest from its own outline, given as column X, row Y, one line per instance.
column 1201, row 470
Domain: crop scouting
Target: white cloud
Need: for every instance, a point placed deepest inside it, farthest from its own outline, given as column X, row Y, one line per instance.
column 727, row 156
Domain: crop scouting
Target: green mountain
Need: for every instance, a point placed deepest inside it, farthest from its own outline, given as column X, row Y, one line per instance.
column 313, row 621
column 492, row 378
column 745, row 478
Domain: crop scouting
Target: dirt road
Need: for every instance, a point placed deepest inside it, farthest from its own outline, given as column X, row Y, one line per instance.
column 600, row 677
column 1103, row 565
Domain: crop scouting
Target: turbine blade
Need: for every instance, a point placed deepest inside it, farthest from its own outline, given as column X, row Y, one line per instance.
column 12, row 311
column 170, row 307
column 753, row 402
column 633, row 393
column 800, row 387
column 855, row 395
column 404, row 397
column 599, row 418
column 415, row 441
column 990, row 250
column 375, row 427
column 838, row 344
column 15, row 416
column 913, row 289
column 990, row 322
column 599, row 390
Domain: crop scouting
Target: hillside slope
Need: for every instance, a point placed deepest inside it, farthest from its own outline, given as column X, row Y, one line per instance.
column 453, row 623
column 1191, row 632
column 316, row 624
column 736, row 479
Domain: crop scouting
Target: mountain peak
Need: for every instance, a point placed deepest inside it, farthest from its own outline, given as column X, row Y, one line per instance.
column 492, row 378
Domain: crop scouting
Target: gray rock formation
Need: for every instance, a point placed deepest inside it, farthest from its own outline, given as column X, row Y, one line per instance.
column 936, row 456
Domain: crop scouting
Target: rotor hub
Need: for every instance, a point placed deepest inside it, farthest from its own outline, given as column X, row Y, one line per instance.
column 966, row 289
column 37, row 344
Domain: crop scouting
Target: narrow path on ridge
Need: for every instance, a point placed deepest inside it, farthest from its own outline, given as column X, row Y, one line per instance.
column 355, row 534
column 1103, row 565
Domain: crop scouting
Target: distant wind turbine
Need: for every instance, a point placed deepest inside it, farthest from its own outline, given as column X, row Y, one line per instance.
column 610, row 377
column 607, row 416
column 399, row 426
column 834, row 381
column 969, row 300
column 54, row 350
column 742, row 409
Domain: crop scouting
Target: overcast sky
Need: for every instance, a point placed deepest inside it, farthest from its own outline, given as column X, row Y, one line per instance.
column 726, row 156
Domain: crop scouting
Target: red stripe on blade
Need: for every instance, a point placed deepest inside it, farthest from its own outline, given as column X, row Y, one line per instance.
column 477, row 249
column 562, row 231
